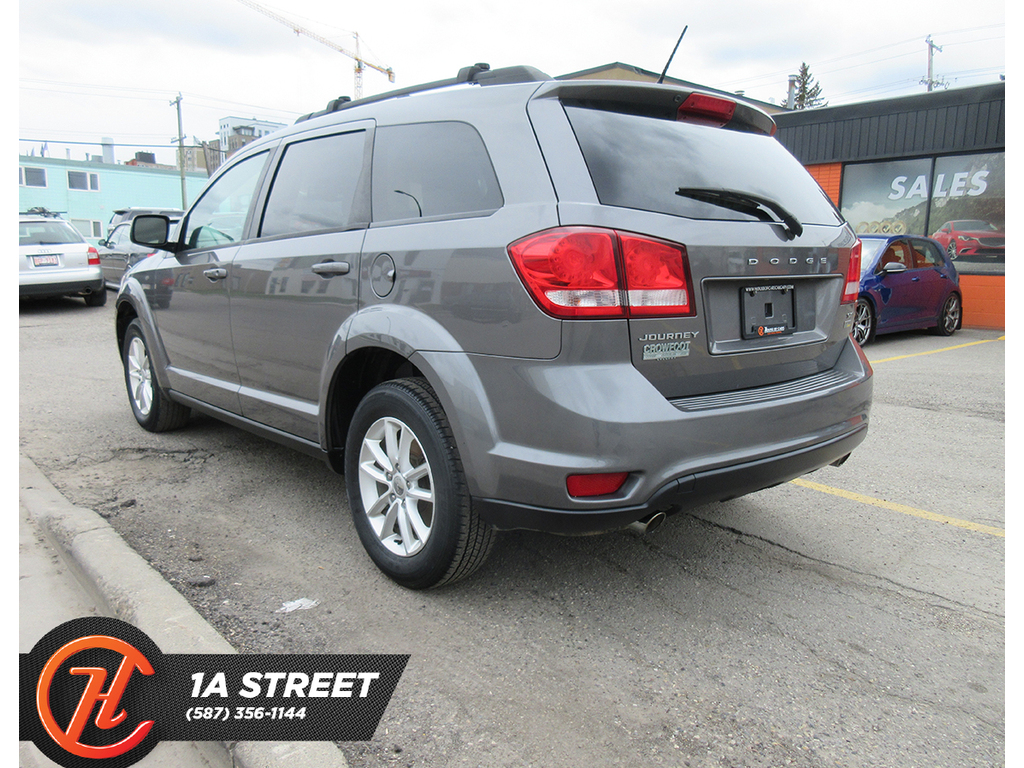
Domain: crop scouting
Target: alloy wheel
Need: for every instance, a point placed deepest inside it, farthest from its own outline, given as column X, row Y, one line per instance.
column 396, row 486
column 951, row 314
column 140, row 376
column 862, row 323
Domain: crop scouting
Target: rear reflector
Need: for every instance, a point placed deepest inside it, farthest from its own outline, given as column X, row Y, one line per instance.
column 581, row 272
column 595, row 485
column 852, row 288
column 707, row 110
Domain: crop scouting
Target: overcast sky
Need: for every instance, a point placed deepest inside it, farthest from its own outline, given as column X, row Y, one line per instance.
column 95, row 68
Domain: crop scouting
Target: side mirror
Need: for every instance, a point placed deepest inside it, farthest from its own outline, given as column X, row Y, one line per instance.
column 894, row 267
column 152, row 230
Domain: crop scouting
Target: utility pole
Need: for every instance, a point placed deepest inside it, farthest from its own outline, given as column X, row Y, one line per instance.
column 181, row 153
column 931, row 82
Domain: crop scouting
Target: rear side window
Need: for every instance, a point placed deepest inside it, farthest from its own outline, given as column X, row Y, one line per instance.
column 640, row 162
column 430, row 170
column 316, row 186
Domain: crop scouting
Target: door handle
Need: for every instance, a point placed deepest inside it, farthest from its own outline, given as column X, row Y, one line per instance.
column 328, row 269
column 216, row 273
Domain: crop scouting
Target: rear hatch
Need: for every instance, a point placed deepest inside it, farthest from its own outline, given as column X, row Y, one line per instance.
column 51, row 244
column 765, row 254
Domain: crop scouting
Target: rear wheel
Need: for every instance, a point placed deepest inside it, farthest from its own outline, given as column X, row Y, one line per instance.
column 152, row 408
column 863, row 322
column 950, row 316
column 407, row 488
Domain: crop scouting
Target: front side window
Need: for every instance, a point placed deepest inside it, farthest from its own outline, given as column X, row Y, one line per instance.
column 218, row 217
column 426, row 170
column 315, row 186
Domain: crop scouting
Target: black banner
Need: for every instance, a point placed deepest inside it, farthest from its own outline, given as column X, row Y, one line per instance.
column 98, row 692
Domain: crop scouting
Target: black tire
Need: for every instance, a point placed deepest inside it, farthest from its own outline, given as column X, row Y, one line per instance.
column 950, row 317
column 951, row 250
column 152, row 408
column 417, row 524
column 863, row 322
column 96, row 298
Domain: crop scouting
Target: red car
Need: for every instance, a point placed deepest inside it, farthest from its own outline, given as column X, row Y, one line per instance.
column 971, row 237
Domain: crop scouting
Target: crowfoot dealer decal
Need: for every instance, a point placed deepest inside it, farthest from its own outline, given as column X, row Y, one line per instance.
column 98, row 692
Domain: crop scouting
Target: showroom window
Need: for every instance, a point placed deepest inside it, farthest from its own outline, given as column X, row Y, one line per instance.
column 958, row 200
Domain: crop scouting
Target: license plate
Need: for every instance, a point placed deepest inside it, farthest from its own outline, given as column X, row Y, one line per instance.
column 48, row 260
column 767, row 310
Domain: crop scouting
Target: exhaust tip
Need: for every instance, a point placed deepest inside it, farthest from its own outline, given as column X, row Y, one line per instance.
column 647, row 524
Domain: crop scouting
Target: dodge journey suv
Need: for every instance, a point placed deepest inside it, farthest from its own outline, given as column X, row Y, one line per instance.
column 504, row 301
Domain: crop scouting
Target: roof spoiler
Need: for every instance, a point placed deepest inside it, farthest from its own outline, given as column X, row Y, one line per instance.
column 480, row 74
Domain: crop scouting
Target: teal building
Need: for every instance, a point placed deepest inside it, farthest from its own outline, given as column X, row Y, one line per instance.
column 88, row 192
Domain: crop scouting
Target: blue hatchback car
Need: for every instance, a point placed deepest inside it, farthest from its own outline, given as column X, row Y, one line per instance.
column 906, row 282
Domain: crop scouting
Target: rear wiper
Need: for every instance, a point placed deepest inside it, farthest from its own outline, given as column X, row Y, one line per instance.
column 744, row 202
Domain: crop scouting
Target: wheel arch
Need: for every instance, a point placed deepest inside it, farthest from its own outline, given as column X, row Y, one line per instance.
column 357, row 374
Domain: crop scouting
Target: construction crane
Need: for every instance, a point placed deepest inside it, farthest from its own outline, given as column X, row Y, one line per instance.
column 361, row 63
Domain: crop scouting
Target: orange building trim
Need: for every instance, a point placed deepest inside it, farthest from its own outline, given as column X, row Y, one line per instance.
column 829, row 177
column 984, row 301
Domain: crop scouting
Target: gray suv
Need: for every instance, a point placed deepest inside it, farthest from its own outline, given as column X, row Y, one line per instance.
column 504, row 301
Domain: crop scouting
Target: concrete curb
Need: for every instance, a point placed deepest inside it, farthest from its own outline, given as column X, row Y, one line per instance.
column 134, row 592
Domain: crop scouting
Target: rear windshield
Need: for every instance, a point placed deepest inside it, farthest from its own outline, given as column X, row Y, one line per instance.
column 47, row 233
column 640, row 162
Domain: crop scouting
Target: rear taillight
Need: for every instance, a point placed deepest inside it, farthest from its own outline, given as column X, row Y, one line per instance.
column 94, row 257
column 706, row 110
column 852, row 288
column 581, row 272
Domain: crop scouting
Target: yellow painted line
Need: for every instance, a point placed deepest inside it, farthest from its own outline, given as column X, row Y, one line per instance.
column 936, row 351
column 901, row 508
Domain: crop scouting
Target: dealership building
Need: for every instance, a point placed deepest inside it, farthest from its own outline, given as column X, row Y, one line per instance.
column 930, row 164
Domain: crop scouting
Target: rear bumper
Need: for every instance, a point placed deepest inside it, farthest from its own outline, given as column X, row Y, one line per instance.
column 64, row 283
column 678, row 494
column 560, row 418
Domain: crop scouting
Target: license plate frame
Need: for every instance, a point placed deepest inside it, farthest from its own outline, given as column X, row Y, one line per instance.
column 46, row 260
column 767, row 310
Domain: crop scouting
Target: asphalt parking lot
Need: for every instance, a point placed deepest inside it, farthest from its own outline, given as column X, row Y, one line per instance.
column 853, row 617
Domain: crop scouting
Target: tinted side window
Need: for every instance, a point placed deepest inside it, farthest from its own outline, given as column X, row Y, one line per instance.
column 432, row 169
column 925, row 255
column 315, row 186
column 219, row 215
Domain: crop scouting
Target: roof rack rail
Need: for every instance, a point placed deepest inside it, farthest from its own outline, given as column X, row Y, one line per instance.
column 40, row 211
column 481, row 74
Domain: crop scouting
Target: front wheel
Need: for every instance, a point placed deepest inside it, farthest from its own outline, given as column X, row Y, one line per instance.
column 950, row 316
column 863, row 322
column 951, row 250
column 407, row 488
column 152, row 408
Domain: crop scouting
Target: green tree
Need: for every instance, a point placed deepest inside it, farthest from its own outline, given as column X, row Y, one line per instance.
column 808, row 91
